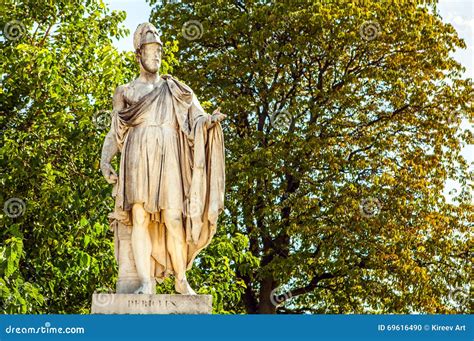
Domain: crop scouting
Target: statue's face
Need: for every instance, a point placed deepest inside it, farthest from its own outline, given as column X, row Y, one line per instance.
column 150, row 56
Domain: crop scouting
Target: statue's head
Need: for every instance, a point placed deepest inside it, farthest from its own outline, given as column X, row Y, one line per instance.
column 148, row 46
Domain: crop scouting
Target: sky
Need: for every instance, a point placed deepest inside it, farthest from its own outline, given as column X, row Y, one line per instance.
column 459, row 13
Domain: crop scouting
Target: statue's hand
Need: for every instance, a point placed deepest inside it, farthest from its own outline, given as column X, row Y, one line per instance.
column 217, row 116
column 109, row 173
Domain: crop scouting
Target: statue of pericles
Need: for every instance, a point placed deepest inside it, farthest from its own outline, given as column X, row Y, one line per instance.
column 170, row 185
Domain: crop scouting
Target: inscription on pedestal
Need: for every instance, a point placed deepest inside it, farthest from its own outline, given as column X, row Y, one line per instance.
column 151, row 304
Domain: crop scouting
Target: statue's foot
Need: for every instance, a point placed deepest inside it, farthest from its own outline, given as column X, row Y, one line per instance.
column 144, row 288
column 182, row 286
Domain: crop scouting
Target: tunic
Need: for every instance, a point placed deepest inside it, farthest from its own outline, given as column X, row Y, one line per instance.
column 151, row 159
column 169, row 160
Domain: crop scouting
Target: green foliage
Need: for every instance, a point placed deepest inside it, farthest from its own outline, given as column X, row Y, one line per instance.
column 17, row 295
column 58, row 78
column 344, row 124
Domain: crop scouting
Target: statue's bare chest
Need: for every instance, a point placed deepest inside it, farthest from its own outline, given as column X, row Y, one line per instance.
column 135, row 91
column 157, row 115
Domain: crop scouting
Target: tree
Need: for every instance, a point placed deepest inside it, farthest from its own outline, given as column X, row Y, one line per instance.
column 344, row 124
column 59, row 68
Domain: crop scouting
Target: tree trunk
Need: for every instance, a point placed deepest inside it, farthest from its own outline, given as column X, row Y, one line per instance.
column 265, row 305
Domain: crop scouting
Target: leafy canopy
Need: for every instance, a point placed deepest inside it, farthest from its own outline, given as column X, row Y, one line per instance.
column 344, row 124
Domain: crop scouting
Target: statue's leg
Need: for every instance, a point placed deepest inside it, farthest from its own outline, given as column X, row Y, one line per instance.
column 141, row 245
column 176, row 244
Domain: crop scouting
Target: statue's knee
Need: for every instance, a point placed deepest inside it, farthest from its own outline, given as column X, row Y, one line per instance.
column 174, row 225
column 138, row 214
column 173, row 217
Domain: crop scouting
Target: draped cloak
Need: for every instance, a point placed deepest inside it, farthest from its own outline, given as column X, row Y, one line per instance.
column 177, row 158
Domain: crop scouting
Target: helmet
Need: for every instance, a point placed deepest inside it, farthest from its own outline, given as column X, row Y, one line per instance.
column 144, row 34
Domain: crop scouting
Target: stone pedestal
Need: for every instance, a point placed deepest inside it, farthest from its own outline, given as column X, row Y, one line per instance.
column 103, row 303
column 126, row 302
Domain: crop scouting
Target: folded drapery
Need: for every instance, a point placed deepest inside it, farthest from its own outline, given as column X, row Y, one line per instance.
column 201, row 168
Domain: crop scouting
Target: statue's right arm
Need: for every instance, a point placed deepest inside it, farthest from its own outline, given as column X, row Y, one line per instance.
column 110, row 147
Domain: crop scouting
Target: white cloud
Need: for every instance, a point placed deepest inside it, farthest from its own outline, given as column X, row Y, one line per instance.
column 459, row 22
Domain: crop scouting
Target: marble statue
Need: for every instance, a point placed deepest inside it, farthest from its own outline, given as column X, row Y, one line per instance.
column 169, row 190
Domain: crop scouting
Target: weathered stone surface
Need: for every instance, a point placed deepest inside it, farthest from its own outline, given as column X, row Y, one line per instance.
column 169, row 147
column 104, row 303
column 128, row 280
